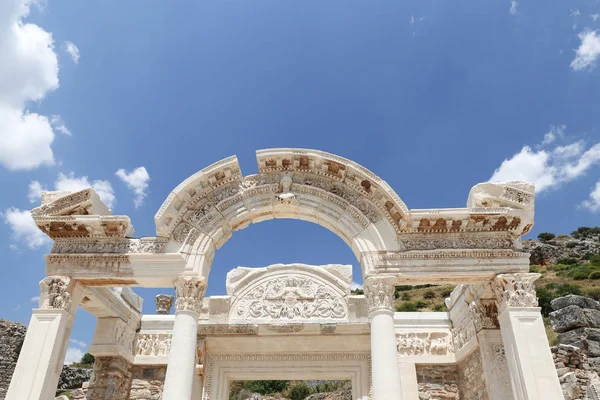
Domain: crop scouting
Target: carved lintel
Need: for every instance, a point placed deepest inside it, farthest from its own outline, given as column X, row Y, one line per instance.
column 379, row 293
column 54, row 293
column 515, row 290
column 164, row 303
column 484, row 314
column 153, row 344
column 190, row 292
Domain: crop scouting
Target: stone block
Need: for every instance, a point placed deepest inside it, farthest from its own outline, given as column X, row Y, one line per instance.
column 578, row 334
column 593, row 348
column 593, row 317
column 568, row 318
column 574, row 300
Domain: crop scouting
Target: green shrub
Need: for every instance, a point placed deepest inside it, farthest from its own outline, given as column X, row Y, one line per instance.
column 594, row 275
column 446, row 292
column 545, row 236
column 407, row 307
column 552, row 291
column 299, row 392
column 579, row 275
column 86, row 362
column 534, row 268
column 430, row 294
column 550, row 334
column 266, row 387
column 571, row 245
column 439, row 307
column 420, row 304
column 357, row 291
column 562, row 267
column 585, row 232
column 405, row 296
column 567, row 261
column 592, row 292
column 595, row 260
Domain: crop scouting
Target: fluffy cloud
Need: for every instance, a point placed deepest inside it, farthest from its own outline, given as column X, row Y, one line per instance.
column 78, row 343
column 588, row 51
column 513, row 7
column 594, row 17
column 73, row 355
column 593, row 204
column 71, row 182
column 554, row 132
column 58, row 124
column 29, row 72
column 548, row 168
column 72, row 50
column 136, row 180
column 356, row 285
column 24, row 230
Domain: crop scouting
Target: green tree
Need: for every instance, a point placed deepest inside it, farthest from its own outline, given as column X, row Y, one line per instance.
column 299, row 391
column 266, row 387
column 545, row 236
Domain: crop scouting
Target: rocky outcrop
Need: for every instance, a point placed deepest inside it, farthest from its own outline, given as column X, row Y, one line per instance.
column 562, row 247
column 12, row 336
column 73, row 378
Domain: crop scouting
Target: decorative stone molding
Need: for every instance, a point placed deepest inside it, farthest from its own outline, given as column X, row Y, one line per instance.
column 484, row 314
column 515, row 290
column 109, row 246
column 164, row 303
column 424, row 343
column 471, row 240
column 54, row 293
column 227, row 330
column 379, row 293
column 153, row 344
column 190, row 292
column 463, row 334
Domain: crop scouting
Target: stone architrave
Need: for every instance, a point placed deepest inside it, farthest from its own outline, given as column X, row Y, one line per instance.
column 179, row 380
column 379, row 293
column 164, row 303
column 531, row 369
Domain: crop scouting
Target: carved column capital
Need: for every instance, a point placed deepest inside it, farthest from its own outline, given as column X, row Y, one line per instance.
column 190, row 292
column 379, row 293
column 164, row 303
column 515, row 290
column 484, row 313
column 54, row 293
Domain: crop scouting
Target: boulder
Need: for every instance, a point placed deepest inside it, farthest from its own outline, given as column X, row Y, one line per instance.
column 568, row 318
column 579, row 334
column 574, row 300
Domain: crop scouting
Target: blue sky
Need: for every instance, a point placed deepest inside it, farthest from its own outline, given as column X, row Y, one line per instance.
column 433, row 96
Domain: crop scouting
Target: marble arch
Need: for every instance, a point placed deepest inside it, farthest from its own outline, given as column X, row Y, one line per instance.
column 338, row 194
column 293, row 320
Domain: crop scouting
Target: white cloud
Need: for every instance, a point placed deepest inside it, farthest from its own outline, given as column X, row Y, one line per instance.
column 78, row 343
column 28, row 72
column 588, row 51
column 72, row 183
column 356, row 285
column 548, row 168
column 57, row 123
column 594, row 17
column 73, row 355
column 593, row 204
column 73, row 50
column 35, row 299
column 136, row 180
column 24, row 229
column 575, row 13
column 554, row 132
column 35, row 191
column 513, row 7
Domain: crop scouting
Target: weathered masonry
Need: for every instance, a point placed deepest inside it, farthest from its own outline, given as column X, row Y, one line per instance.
column 286, row 321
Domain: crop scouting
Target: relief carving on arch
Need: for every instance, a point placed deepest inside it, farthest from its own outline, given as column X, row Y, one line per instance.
column 424, row 343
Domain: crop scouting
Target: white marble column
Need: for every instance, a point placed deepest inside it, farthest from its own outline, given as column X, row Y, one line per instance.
column 179, row 380
column 43, row 353
column 379, row 292
column 531, row 369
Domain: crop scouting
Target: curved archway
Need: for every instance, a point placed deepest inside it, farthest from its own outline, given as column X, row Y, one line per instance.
column 200, row 214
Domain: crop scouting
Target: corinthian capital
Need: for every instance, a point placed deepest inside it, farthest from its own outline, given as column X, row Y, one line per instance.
column 54, row 293
column 379, row 292
column 190, row 292
column 515, row 290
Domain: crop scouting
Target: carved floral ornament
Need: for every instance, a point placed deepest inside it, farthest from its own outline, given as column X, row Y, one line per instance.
column 484, row 314
column 290, row 298
column 190, row 292
column 379, row 293
column 164, row 303
column 515, row 290
column 54, row 293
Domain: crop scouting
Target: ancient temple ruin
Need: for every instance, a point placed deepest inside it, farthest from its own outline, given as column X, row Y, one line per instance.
column 293, row 321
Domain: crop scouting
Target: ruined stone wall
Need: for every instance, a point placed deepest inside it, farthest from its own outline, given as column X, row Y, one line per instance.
column 437, row 382
column 471, row 382
column 147, row 383
column 12, row 336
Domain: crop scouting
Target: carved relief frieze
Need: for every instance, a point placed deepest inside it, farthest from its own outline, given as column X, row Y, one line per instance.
column 227, row 329
column 424, row 343
column 156, row 345
column 463, row 334
column 111, row 246
column 515, row 290
column 290, row 298
column 456, row 241
column 104, row 261
column 54, row 293
column 124, row 335
column 190, row 292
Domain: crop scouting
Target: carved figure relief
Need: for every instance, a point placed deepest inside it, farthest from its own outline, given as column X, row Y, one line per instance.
column 291, row 298
column 124, row 335
column 153, row 345
column 54, row 294
column 463, row 334
column 417, row 343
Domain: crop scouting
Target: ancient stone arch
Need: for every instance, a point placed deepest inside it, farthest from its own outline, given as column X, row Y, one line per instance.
column 293, row 320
